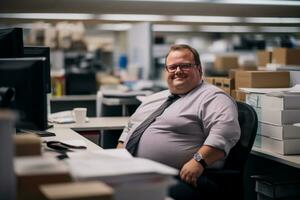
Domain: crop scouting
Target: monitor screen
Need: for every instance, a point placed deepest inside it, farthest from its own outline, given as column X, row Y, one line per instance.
column 11, row 43
column 39, row 51
column 26, row 77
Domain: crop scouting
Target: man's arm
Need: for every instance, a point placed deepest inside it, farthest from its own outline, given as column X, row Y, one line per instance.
column 191, row 171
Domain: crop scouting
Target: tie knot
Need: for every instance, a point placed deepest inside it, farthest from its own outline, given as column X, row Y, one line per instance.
column 173, row 97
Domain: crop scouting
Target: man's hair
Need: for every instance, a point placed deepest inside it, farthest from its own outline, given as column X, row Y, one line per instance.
column 179, row 47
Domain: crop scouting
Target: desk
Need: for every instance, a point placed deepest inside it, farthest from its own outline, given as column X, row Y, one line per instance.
column 96, row 127
column 97, row 123
column 263, row 162
column 68, row 134
column 290, row 160
column 140, row 187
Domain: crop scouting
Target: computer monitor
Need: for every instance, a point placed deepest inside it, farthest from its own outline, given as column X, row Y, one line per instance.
column 26, row 77
column 11, row 43
column 39, row 51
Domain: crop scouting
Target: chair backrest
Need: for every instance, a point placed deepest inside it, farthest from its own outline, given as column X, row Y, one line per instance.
column 248, row 123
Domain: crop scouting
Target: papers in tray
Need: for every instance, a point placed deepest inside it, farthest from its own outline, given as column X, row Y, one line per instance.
column 293, row 90
column 63, row 117
column 115, row 166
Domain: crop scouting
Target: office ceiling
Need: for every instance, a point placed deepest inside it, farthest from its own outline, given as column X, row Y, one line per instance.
column 98, row 11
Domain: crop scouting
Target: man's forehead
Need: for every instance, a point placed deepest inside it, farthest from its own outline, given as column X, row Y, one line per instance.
column 181, row 53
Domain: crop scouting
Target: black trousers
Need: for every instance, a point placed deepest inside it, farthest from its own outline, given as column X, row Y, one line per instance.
column 206, row 189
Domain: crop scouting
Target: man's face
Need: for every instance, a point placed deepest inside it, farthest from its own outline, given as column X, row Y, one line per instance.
column 183, row 79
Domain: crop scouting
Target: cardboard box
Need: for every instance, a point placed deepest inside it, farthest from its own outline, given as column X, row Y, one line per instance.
column 33, row 171
column 262, row 79
column 226, row 62
column 280, row 132
column 281, row 101
column 240, row 96
column 280, row 117
column 210, row 80
column 218, row 81
column 286, row 56
column 285, row 147
column 233, row 94
column 77, row 191
column 224, row 83
column 227, row 85
column 27, row 145
column 263, row 58
column 231, row 73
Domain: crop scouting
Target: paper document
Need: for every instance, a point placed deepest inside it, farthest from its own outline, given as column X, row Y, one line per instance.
column 294, row 89
column 110, row 166
column 62, row 117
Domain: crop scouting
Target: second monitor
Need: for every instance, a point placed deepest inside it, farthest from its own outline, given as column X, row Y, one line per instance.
column 26, row 76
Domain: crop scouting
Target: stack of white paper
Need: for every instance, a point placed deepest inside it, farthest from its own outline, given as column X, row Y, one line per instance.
column 280, row 111
column 131, row 178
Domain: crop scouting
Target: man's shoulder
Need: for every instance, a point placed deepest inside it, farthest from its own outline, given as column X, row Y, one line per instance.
column 158, row 96
column 208, row 90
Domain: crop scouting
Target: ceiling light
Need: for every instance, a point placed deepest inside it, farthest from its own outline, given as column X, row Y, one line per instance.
column 207, row 19
column 114, row 27
column 271, row 20
column 129, row 17
column 172, row 28
column 69, row 16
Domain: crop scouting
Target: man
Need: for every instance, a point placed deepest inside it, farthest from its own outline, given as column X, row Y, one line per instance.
column 194, row 132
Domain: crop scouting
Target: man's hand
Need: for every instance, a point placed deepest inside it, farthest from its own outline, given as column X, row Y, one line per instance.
column 191, row 171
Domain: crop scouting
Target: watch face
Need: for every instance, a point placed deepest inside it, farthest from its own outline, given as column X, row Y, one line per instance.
column 197, row 157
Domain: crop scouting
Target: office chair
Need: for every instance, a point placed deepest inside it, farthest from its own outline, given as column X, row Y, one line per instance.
column 229, row 180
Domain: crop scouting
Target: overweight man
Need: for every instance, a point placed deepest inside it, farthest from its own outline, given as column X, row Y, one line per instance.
column 191, row 126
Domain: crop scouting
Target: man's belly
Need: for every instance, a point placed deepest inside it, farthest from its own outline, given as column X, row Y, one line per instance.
column 167, row 147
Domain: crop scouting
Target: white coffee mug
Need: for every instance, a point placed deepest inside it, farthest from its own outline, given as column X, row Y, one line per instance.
column 79, row 115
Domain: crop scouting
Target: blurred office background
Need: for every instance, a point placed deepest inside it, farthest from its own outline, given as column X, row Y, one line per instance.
column 95, row 43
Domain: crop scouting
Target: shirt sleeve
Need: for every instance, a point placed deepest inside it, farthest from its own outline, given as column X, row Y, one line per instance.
column 220, row 122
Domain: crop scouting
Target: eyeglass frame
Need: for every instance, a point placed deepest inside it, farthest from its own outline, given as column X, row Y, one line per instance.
column 180, row 65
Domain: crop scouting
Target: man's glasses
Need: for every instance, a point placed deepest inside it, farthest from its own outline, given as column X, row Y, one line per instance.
column 182, row 66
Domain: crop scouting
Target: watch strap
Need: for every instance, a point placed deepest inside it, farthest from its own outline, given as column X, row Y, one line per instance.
column 198, row 157
column 203, row 163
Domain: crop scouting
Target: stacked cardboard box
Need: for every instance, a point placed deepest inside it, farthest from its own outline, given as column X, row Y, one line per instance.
column 224, row 83
column 86, row 190
column 261, row 79
column 285, row 56
column 226, row 62
column 27, row 145
column 33, row 171
column 263, row 58
column 278, row 114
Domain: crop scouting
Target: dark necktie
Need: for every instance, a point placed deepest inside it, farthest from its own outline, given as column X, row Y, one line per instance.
column 135, row 137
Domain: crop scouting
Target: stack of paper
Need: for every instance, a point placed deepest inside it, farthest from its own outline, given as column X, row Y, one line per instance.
column 277, row 109
column 131, row 178
column 280, row 111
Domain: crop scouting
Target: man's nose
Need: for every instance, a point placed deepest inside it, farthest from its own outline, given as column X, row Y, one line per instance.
column 178, row 69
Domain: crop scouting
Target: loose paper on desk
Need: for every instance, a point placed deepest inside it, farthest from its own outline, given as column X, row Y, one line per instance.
column 62, row 117
column 115, row 165
column 294, row 89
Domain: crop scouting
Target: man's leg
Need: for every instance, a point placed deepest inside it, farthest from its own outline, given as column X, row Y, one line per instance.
column 206, row 189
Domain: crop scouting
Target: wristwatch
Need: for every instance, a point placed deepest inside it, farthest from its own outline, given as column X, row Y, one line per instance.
column 198, row 157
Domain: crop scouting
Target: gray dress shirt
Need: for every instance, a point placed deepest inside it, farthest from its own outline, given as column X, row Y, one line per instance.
column 205, row 115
